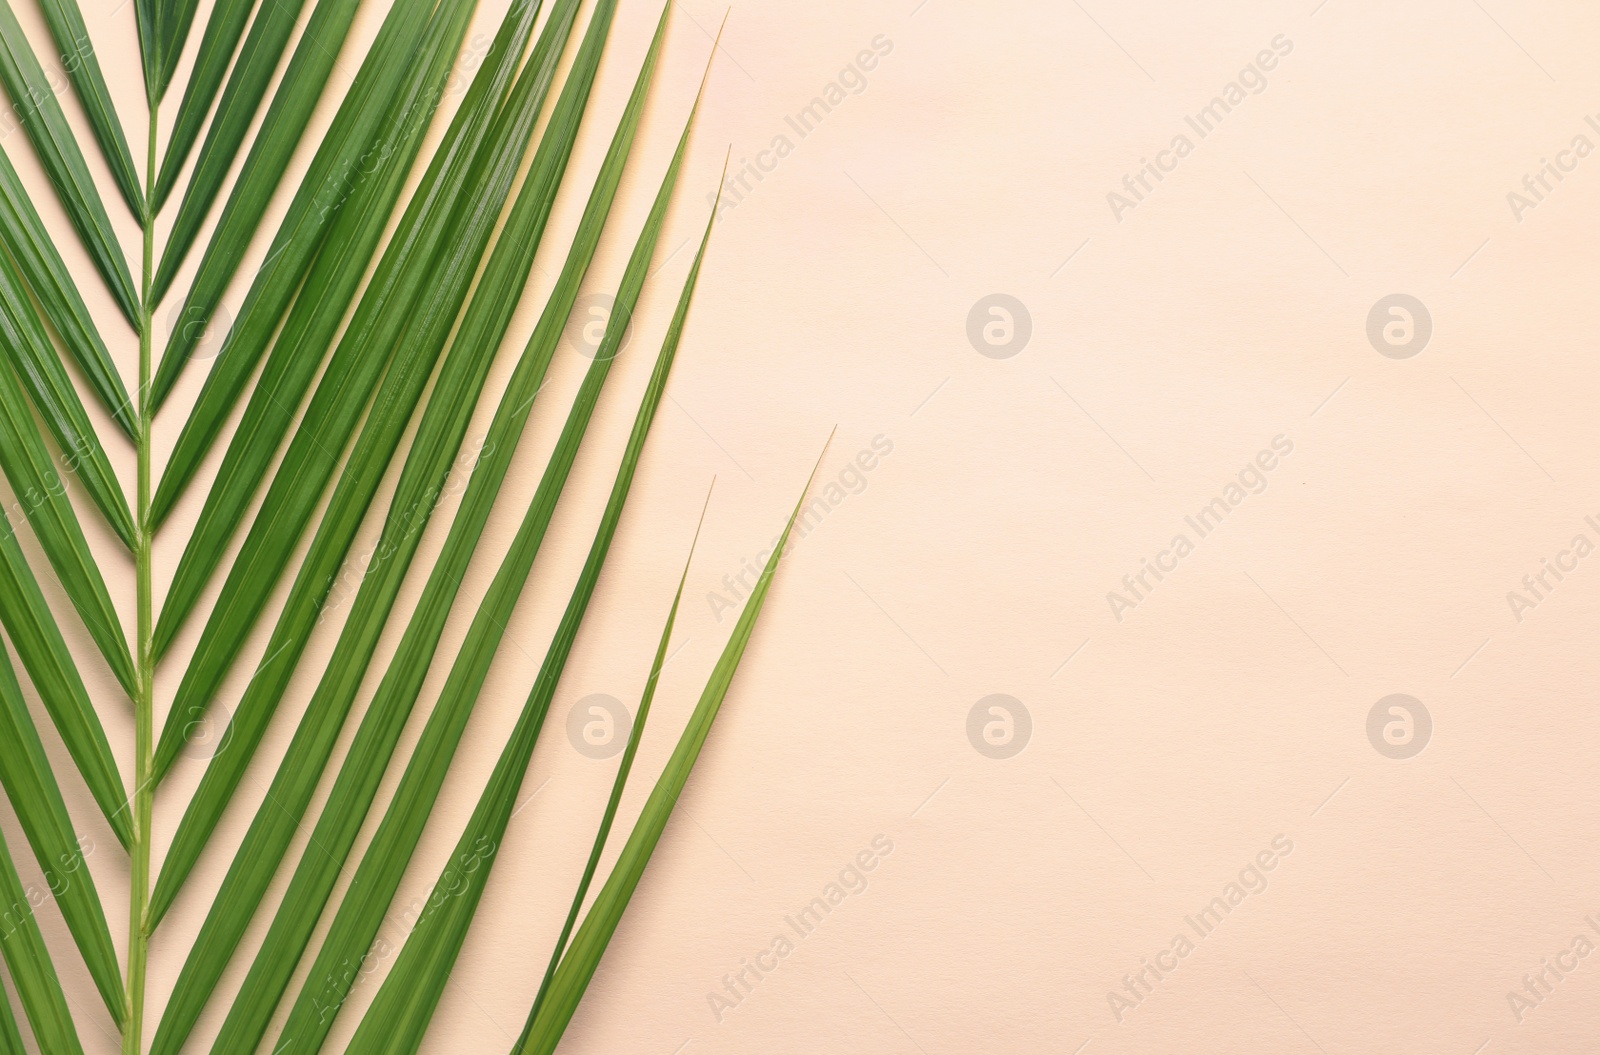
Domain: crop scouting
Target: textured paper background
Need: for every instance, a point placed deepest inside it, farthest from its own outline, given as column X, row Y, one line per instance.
column 1169, row 343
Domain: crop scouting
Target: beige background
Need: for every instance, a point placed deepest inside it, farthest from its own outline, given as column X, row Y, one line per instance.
column 1167, row 348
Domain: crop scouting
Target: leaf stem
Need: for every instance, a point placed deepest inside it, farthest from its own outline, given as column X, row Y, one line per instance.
column 144, row 704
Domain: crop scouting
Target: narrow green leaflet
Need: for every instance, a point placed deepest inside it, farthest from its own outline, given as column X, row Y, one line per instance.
column 38, row 987
column 177, row 17
column 144, row 16
column 247, row 86
column 34, row 794
column 549, row 1018
column 428, row 294
column 360, row 205
column 217, row 44
column 399, row 1016
column 10, row 1036
column 44, row 655
column 42, row 493
column 78, row 58
column 40, row 114
column 620, row 784
column 380, row 730
column 280, row 131
column 338, row 402
column 23, row 235
column 28, row 347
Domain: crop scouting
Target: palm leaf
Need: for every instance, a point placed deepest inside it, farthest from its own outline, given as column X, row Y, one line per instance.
column 42, row 493
column 32, row 789
column 217, row 44
column 400, row 1014
column 439, row 436
column 379, row 732
column 38, row 986
column 554, row 1007
column 620, row 783
column 44, row 655
column 412, row 314
column 280, row 131
column 34, row 358
column 41, row 117
column 24, row 238
column 381, row 869
column 83, row 68
column 341, row 395
column 423, row 335
column 317, row 312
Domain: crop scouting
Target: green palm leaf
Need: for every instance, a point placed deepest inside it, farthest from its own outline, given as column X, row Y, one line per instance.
column 34, row 358
column 439, row 437
column 25, row 239
column 38, row 986
column 280, row 132
column 417, row 311
column 217, row 45
column 42, row 493
column 44, row 656
column 41, row 117
column 32, row 789
column 422, row 334
column 375, row 741
column 554, row 1008
column 620, row 783
column 10, row 1035
column 379, row 874
column 83, row 68
column 327, row 291
column 404, row 1006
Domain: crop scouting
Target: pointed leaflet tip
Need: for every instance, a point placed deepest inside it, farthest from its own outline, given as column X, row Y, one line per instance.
column 716, row 42
column 620, row 783
column 578, row 964
column 825, row 445
column 694, row 542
